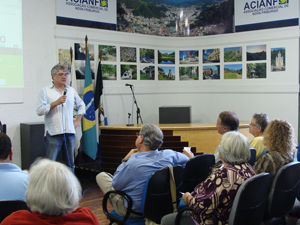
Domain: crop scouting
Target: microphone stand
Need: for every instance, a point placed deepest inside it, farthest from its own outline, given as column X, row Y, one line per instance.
column 138, row 112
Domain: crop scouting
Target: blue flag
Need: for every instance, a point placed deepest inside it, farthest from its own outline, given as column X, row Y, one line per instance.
column 89, row 124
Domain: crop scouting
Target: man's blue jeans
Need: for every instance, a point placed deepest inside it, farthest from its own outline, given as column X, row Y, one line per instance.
column 64, row 142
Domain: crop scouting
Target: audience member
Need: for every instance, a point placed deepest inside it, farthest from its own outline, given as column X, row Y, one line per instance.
column 131, row 176
column 227, row 121
column 215, row 195
column 53, row 196
column 13, row 180
column 280, row 142
column 257, row 127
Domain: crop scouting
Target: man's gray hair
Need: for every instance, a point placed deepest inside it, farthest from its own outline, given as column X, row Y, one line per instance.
column 53, row 189
column 153, row 136
column 56, row 68
column 262, row 120
column 235, row 148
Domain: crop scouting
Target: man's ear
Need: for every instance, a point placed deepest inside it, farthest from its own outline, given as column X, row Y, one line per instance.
column 259, row 128
column 142, row 139
column 10, row 155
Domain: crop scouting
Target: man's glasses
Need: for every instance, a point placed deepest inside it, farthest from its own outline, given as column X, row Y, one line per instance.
column 63, row 74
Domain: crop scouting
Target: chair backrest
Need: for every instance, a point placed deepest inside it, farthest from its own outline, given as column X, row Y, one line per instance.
column 197, row 170
column 8, row 207
column 157, row 199
column 253, row 156
column 250, row 201
column 283, row 190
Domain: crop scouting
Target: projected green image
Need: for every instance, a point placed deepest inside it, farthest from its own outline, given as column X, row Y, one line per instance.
column 11, row 71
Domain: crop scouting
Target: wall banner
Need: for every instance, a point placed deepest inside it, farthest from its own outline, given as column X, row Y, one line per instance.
column 99, row 14
column 264, row 14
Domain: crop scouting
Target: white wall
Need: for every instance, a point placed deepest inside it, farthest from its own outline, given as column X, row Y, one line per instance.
column 277, row 95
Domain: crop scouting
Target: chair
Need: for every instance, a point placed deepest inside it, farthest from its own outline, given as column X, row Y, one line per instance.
column 196, row 170
column 282, row 194
column 156, row 201
column 10, row 206
column 249, row 203
column 253, row 156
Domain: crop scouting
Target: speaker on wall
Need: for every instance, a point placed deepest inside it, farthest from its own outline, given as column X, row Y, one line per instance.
column 175, row 114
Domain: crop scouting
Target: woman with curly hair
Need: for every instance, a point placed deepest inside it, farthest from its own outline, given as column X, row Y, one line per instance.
column 280, row 141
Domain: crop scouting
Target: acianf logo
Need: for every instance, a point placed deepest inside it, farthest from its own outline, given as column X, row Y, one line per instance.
column 283, row 2
column 104, row 3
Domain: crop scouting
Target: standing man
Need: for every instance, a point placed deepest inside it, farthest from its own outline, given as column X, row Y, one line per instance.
column 56, row 102
column 13, row 180
column 136, row 167
column 227, row 121
column 257, row 127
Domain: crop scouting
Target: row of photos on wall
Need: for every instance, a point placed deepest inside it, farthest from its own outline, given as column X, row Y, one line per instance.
column 188, row 62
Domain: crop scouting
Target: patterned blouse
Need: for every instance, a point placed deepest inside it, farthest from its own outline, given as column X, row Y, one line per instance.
column 271, row 162
column 217, row 192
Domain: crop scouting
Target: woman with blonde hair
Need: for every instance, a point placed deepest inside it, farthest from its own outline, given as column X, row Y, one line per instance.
column 279, row 140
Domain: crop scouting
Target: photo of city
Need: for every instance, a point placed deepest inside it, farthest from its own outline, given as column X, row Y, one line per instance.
column 189, row 57
column 211, row 72
column 211, row 55
column 175, row 18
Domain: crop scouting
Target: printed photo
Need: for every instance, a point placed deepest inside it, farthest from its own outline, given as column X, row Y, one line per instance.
column 166, row 73
column 80, row 51
column 189, row 57
column 211, row 72
column 147, row 73
column 146, row 55
column 233, row 71
column 80, row 69
column 128, row 72
column 166, row 57
column 256, row 52
column 277, row 59
column 128, row 54
column 256, row 70
column 109, row 72
column 211, row 55
column 188, row 73
column 109, row 52
column 233, row 54
column 64, row 58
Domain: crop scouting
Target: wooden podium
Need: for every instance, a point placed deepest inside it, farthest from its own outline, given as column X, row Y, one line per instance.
column 118, row 140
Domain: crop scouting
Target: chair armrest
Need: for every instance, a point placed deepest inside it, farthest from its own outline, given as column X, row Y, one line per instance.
column 178, row 216
column 110, row 216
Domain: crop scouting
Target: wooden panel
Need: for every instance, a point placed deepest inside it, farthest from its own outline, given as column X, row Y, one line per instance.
column 133, row 137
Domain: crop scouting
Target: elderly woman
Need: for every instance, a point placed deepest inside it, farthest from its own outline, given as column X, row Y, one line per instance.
column 279, row 139
column 215, row 195
column 53, row 196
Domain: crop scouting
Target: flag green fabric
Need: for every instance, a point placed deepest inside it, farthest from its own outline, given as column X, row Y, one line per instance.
column 89, row 124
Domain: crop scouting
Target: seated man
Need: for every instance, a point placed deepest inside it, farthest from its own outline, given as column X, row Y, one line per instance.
column 257, row 127
column 132, row 175
column 13, row 180
column 227, row 121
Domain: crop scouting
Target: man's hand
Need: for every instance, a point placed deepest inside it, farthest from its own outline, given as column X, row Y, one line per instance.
column 132, row 151
column 186, row 197
column 59, row 101
column 187, row 153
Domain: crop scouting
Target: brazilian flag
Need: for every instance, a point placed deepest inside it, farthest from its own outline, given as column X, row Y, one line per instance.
column 89, row 124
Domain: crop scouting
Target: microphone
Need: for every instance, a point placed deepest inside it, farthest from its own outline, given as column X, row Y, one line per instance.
column 130, row 85
column 65, row 91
